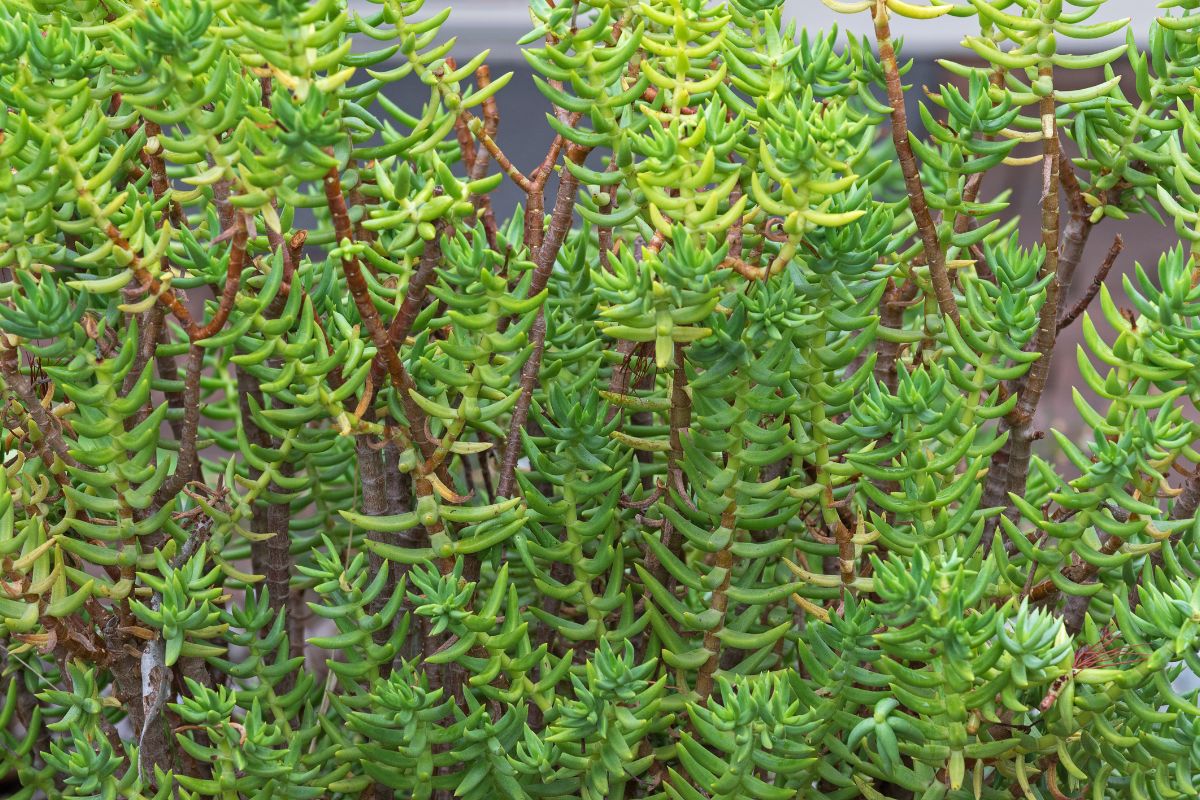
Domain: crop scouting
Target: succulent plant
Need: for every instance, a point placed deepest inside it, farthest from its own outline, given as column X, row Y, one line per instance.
column 709, row 471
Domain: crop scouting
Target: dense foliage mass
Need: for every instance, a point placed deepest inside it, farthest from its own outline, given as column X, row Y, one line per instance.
column 711, row 473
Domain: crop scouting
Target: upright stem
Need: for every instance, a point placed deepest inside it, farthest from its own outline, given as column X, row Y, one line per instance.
column 560, row 222
column 187, row 468
column 934, row 256
column 168, row 370
column 398, row 498
column 247, row 388
column 1048, row 319
column 722, row 560
column 1078, row 228
column 418, row 424
column 160, row 184
column 149, row 328
column 373, row 501
column 529, row 380
column 544, row 257
column 1010, row 465
column 278, row 565
column 155, row 744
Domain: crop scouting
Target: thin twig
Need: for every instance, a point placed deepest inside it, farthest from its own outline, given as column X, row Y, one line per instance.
column 503, row 161
column 169, row 299
column 545, row 256
column 414, row 302
column 233, row 275
column 1113, row 252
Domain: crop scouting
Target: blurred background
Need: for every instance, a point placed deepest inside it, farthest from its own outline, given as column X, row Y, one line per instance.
column 497, row 25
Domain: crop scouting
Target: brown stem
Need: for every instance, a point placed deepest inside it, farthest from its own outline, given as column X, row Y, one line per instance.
column 545, row 256
column 1094, row 289
column 155, row 744
column 604, row 233
column 722, row 560
column 159, row 182
column 503, row 161
column 48, row 426
column 295, row 247
column 233, row 276
column 891, row 315
column 360, row 292
column 462, row 131
column 1076, row 202
column 151, row 325
column 278, row 556
column 149, row 329
column 934, row 256
column 491, row 118
column 247, row 388
column 398, row 497
column 150, row 283
column 546, row 168
column 1035, row 383
column 1010, row 465
column 187, row 468
column 169, row 299
column 535, row 212
column 747, row 271
column 560, row 223
column 480, row 159
column 221, row 191
column 845, row 545
column 373, row 503
column 414, row 301
column 1077, row 231
column 679, row 420
column 279, row 245
column 1075, row 236
column 529, row 378
column 535, row 205
column 168, row 370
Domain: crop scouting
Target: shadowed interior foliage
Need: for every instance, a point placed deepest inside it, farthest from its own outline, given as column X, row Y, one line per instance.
column 708, row 471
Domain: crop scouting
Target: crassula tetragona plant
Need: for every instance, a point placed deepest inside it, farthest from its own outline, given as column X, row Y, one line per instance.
column 711, row 471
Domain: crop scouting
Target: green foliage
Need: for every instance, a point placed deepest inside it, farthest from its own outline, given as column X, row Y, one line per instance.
column 325, row 478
